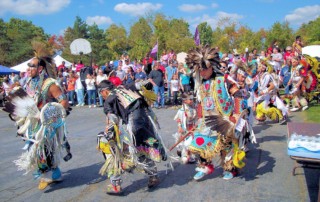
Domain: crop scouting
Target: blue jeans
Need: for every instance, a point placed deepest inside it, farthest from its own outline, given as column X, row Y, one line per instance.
column 169, row 91
column 100, row 100
column 159, row 91
column 71, row 96
column 91, row 97
column 80, row 96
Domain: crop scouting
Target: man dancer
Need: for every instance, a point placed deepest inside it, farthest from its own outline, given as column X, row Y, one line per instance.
column 40, row 113
column 138, row 145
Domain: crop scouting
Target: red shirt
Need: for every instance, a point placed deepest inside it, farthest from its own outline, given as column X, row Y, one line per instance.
column 61, row 67
column 115, row 80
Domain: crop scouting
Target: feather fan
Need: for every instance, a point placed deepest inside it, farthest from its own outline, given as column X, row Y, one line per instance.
column 220, row 123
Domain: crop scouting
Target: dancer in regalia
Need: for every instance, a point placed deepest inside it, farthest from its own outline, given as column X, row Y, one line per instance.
column 39, row 110
column 186, row 118
column 131, row 139
column 214, row 134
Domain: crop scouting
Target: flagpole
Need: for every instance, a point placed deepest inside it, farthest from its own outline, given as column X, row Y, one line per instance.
column 158, row 49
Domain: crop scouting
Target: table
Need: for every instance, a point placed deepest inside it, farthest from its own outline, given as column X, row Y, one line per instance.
column 308, row 129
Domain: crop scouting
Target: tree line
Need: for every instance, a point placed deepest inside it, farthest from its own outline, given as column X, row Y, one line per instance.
column 16, row 37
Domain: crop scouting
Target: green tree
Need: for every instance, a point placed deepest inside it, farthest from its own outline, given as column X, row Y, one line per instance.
column 16, row 44
column 139, row 38
column 280, row 32
column 98, row 42
column 310, row 32
column 179, row 37
column 116, row 38
column 205, row 32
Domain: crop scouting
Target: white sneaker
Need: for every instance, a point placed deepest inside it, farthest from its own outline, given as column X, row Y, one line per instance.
column 294, row 109
column 94, row 105
column 304, row 108
column 77, row 105
column 82, row 104
column 89, row 106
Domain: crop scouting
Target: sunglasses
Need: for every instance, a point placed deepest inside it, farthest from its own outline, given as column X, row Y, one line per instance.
column 32, row 65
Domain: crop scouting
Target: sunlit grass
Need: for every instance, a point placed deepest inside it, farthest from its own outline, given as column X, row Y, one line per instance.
column 313, row 113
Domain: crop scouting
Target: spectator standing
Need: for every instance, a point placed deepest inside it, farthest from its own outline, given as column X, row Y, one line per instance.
column 288, row 54
column 164, row 58
column 23, row 79
column 91, row 90
column 126, row 65
column 297, row 46
column 79, row 66
column 175, row 89
column 62, row 66
column 71, row 83
column 114, row 79
column 184, row 79
column 120, row 73
column 130, row 77
column 140, row 75
column 79, row 90
column 14, row 78
column 156, row 78
column 6, row 84
column 100, row 77
column 170, row 71
column 285, row 75
column 147, row 64
column 277, row 59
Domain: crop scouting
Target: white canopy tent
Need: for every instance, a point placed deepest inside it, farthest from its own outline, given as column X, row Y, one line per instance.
column 22, row 67
column 313, row 51
column 57, row 59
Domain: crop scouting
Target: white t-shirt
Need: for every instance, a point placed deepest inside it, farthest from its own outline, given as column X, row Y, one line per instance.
column 90, row 84
column 174, row 85
column 101, row 78
column 79, row 85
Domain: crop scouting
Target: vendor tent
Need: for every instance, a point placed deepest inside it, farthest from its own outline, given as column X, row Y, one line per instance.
column 58, row 60
column 6, row 70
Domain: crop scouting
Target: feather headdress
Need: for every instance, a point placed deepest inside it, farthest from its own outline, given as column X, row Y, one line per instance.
column 202, row 58
column 43, row 54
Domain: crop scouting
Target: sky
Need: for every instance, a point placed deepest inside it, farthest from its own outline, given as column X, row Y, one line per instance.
column 54, row 16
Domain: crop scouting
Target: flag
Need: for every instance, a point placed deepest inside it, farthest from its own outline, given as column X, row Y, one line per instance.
column 197, row 37
column 154, row 50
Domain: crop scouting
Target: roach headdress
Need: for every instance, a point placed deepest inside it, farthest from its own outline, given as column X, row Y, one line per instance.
column 43, row 54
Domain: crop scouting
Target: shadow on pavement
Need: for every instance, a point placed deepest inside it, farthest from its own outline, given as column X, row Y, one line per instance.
column 79, row 176
column 312, row 180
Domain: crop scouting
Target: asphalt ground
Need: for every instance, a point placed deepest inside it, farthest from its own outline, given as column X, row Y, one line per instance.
column 267, row 175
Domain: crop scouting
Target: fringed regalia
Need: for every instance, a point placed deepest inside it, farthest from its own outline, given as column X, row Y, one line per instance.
column 214, row 136
column 132, row 138
column 41, row 123
column 186, row 119
column 268, row 102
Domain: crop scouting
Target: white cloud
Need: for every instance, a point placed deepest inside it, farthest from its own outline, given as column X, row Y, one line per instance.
column 136, row 9
column 214, row 5
column 303, row 15
column 99, row 20
column 213, row 20
column 192, row 7
column 32, row 7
